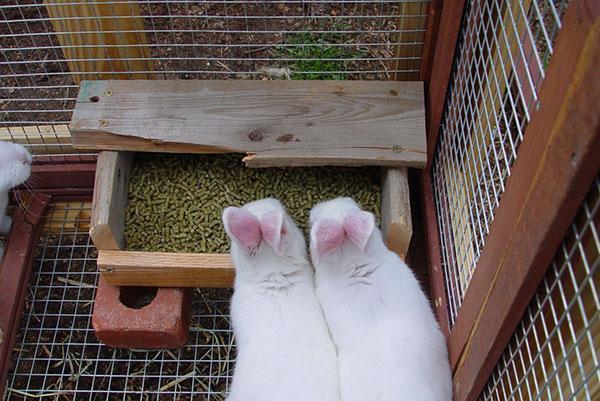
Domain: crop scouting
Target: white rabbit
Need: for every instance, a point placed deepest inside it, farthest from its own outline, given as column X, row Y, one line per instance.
column 389, row 344
column 15, row 167
column 284, row 350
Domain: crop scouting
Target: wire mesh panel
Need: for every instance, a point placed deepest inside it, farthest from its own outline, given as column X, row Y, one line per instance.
column 48, row 47
column 553, row 354
column 504, row 50
column 57, row 355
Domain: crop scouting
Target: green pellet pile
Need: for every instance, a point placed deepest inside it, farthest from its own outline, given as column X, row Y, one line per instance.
column 175, row 201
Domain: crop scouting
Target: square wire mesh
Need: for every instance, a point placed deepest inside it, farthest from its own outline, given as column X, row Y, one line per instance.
column 58, row 357
column 504, row 50
column 47, row 47
column 553, row 354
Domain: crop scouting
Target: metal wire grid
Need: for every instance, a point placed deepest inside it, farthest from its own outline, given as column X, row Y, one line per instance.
column 553, row 354
column 503, row 52
column 57, row 355
column 43, row 56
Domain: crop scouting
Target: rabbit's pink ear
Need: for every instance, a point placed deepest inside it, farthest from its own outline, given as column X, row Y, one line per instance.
column 242, row 226
column 273, row 230
column 359, row 227
column 327, row 235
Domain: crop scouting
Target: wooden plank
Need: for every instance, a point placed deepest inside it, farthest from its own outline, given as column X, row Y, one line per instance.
column 15, row 271
column 161, row 269
column 396, row 221
column 437, row 282
column 443, row 59
column 110, row 199
column 430, row 39
column 97, row 47
column 277, row 122
column 63, row 181
column 553, row 173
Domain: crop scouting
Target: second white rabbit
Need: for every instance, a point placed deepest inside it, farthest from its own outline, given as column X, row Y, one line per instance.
column 389, row 344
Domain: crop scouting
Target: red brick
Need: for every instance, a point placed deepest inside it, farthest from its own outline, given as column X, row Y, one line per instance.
column 163, row 323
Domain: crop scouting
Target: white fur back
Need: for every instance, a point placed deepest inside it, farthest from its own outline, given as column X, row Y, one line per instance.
column 284, row 349
column 389, row 343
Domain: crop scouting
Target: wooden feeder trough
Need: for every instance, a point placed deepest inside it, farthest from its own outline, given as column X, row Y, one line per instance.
column 277, row 123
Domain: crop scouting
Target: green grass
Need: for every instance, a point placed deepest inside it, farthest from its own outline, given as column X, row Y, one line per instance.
column 310, row 59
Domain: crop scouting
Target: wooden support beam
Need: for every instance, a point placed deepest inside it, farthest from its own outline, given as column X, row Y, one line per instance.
column 557, row 162
column 64, row 181
column 443, row 59
column 15, row 271
column 161, row 269
column 437, row 281
column 279, row 123
column 430, row 39
column 396, row 221
column 98, row 47
column 110, row 199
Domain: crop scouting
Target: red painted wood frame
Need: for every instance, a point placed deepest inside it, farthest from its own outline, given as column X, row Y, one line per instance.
column 15, row 271
column 64, row 181
column 69, row 181
column 557, row 162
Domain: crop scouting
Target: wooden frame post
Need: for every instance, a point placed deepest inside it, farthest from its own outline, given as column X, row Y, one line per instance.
column 96, row 47
column 557, row 163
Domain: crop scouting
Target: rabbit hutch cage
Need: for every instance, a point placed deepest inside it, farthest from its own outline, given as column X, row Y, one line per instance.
column 487, row 113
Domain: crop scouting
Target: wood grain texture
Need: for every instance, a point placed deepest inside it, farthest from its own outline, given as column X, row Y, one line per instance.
column 97, row 47
column 161, row 269
column 443, row 59
column 410, row 39
column 15, row 272
column 304, row 122
column 396, row 221
column 110, row 198
column 552, row 174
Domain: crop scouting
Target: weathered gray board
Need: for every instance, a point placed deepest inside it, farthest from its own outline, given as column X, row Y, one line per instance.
column 277, row 123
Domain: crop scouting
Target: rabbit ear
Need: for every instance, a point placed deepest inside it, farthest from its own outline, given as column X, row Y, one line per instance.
column 242, row 226
column 359, row 227
column 328, row 235
column 272, row 226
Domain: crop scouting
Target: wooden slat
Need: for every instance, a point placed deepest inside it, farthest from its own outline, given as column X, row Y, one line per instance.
column 277, row 122
column 443, row 59
column 95, row 46
column 64, row 181
column 160, row 269
column 430, row 39
column 110, row 199
column 552, row 174
column 396, row 221
column 15, row 271
column 437, row 282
